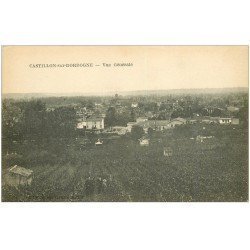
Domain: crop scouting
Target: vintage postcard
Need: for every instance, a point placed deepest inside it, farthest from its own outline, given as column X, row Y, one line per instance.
column 125, row 123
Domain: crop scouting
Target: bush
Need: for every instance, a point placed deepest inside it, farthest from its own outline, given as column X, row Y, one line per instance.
column 137, row 132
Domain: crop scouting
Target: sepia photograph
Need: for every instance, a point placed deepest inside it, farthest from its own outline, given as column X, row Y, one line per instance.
column 125, row 123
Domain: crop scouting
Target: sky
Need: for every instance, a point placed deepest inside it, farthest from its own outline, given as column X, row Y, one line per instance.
column 154, row 68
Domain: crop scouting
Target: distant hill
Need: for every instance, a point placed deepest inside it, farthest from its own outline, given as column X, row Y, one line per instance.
column 129, row 93
column 23, row 95
column 184, row 91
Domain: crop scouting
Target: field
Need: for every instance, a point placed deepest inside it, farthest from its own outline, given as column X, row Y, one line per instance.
column 215, row 170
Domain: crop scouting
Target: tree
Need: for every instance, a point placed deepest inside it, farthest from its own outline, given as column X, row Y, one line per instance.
column 34, row 117
column 12, row 118
column 137, row 132
column 150, row 131
column 132, row 115
column 243, row 116
column 110, row 119
column 114, row 118
column 216, row 112
column 163, row 115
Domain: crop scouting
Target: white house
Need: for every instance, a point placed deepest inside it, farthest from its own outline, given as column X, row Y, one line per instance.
column 81, row 125
column 95, row 123
column 225, row 121
column 91, row 123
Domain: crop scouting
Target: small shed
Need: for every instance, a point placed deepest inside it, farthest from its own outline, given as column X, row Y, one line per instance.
column 168, row 151
column 99, row 142
column 17, row 176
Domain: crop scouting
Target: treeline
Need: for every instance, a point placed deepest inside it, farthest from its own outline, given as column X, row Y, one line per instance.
column 73, row 100
column 30, row 120
column 114, row 118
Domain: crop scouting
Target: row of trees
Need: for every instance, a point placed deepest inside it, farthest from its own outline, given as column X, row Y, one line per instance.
column 26, row 120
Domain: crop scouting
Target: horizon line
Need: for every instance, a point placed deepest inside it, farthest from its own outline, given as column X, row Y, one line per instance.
column 138, row 90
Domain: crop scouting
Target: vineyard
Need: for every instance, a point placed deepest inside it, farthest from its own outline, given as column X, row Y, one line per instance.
column 122, row 170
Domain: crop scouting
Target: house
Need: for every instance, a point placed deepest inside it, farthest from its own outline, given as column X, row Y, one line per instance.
column 214, row 120
column 192, row 121
column 120, row 130
column 81, row 125
column 206, row 120
column 176, row 122
column 225, row 121
column 141, row 119
column 98, row 105
column 144, row 142
column 17, row 176
column 161, row 125
column 81, row 112
column 134, row 105
column 235, row 121
column 50, row 109
column 95, row 123
column 233, row 109
column 219, row 120
column 91, row 123
column 146, row 125
column 209, row 120
column 130, row 125
column 158, row 125
column 168, row 151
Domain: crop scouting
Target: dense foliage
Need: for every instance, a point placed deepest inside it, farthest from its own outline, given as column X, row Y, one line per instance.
column 30, row 120
column 69, row 167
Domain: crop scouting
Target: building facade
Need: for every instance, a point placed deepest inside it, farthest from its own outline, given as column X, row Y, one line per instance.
column 96, row 123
